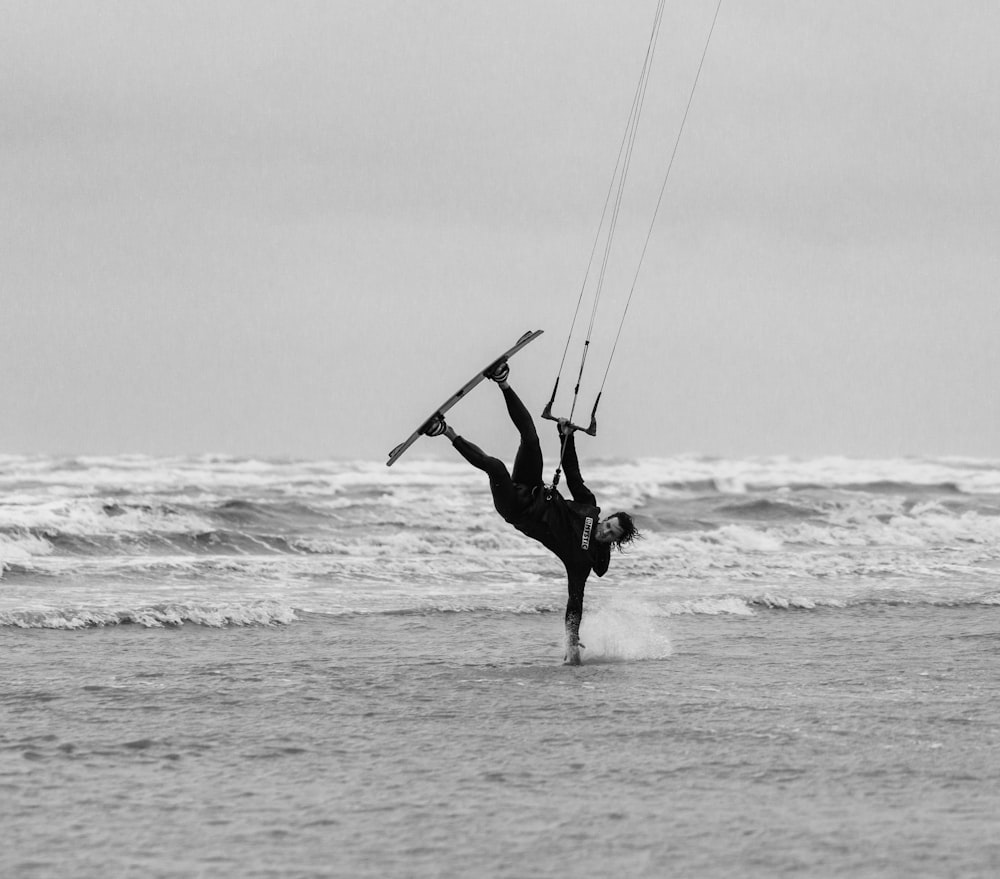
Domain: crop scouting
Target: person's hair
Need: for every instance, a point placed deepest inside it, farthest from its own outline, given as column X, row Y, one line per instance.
column 629, row 532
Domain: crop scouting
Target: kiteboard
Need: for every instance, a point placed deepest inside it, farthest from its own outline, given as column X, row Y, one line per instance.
column 529, row 336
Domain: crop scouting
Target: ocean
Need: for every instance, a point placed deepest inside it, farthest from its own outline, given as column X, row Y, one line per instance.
column 223, row 667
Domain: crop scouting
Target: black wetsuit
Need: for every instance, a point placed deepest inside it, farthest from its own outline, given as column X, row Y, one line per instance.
column 567, row 528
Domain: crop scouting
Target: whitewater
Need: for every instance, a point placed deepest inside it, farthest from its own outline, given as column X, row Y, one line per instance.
column 232, row 667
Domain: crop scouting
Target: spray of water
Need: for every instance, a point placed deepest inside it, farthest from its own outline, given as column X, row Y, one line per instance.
column 624, row 629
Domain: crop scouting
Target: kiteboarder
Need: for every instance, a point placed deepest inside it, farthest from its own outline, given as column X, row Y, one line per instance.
column 570, row 529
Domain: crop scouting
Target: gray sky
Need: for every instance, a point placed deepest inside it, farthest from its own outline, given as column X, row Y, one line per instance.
column 294, row 228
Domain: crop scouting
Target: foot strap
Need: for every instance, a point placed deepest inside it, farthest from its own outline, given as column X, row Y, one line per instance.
column 498, row 372
column 434, row 426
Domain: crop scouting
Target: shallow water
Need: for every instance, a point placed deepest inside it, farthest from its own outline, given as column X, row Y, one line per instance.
column 786, row 743
column 221, row 667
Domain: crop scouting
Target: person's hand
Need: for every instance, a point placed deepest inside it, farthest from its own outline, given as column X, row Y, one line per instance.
column 565, row 428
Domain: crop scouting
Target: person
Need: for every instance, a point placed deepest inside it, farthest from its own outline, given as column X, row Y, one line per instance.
column 573, row 530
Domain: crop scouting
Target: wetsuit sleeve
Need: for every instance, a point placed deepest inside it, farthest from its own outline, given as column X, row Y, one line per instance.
column 571, row 467
column 574, row 604
column 601, row 559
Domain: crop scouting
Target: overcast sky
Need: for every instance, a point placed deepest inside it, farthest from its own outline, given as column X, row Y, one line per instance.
column 294, row 228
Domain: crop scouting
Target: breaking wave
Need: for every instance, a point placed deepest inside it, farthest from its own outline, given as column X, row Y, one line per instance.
column 218, row 541
column 154, row 616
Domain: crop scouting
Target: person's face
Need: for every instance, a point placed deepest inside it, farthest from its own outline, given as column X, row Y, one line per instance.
column 609, row 530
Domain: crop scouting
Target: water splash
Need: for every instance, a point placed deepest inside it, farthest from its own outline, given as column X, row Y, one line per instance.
column 624, row 629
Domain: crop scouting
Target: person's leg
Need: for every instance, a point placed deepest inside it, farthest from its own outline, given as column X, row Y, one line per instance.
column 528, row 461
column 501, row 485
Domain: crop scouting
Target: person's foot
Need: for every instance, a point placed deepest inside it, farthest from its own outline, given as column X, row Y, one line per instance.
column 435, row 426
column 498, row 372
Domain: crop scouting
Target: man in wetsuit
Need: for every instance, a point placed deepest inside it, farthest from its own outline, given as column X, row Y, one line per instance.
column 570, row 529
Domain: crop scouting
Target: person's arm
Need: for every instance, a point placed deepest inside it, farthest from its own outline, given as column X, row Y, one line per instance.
column 574, row 605
column 600, row 558
column 571, row 467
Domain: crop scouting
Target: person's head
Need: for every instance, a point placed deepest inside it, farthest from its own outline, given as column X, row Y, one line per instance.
column 618, row 528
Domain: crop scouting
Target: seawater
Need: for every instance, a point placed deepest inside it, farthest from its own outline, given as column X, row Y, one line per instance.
column 226, row 667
